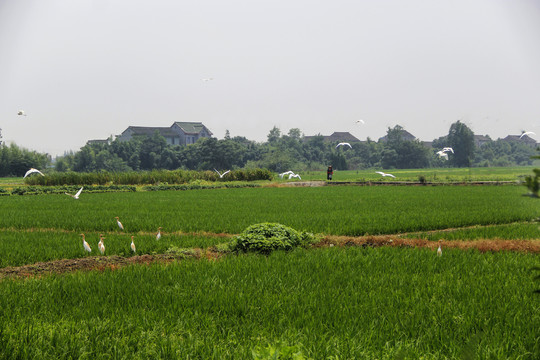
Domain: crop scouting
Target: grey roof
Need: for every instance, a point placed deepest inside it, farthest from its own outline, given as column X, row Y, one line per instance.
column 342, row 136
column 336, row 136
column 404, row 134
column 525, row 138
column 192, row 127
column 482, row 138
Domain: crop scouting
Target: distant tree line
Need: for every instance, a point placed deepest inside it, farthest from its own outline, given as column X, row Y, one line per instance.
column 281, row 152
column 15, row 161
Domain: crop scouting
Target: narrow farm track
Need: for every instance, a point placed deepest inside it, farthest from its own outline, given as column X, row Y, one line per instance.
column 101, row 263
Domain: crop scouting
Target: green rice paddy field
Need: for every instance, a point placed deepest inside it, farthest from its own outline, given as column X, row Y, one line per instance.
column 319, row 303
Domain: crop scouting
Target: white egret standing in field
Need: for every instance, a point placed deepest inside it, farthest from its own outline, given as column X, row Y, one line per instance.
column 158, row 235
column 220, row 174
column 31, row 171
column 439, row 250
column 343, row 144
column 384, row 174
column 76, row 196
column 133, row 245
column 527, row 133
column 21, row 113
column 101, row 246
column 119, row 223
column 85, row 244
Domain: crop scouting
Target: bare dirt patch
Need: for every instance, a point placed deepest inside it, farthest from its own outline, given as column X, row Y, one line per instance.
column 482, row 245
column 100, row 263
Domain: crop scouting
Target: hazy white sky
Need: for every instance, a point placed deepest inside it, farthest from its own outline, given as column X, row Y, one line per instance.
column 87, row 69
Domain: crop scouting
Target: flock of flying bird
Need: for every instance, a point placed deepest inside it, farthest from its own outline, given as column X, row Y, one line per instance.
column 101, row 245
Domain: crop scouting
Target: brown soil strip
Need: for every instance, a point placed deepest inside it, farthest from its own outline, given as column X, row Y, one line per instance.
column 483, row 245
column 99, row 263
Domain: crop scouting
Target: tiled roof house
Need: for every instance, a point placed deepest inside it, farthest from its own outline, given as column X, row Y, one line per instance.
column 179, row 133
column 524, row 139
column 405, row 135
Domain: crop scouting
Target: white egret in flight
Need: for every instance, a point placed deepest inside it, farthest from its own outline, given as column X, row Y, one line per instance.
column 448, row 149
column 442, row 154
column 527, row 133
column 31, row 171
column 384, row 174
column 85, row 244
column 343, row 144
column 76, row 196
column 21, row 113
column 220, row 174
column 285, row 173
column 297, row 176
column 119, row 223
column 360, row 121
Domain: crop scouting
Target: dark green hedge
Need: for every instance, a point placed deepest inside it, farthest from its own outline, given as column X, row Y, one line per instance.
column 146, row 177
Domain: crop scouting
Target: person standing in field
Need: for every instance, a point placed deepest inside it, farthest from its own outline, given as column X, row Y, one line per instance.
column 329, row 173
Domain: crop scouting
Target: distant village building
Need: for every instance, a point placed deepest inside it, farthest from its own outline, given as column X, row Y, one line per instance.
column 100, row 142
column 179, row 133
column 480, row 140
column 428, row 144
column 337, row 136
column 516, row 138
column 405, row 135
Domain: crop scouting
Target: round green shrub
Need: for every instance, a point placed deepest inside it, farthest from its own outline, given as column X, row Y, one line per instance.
column 266, row 237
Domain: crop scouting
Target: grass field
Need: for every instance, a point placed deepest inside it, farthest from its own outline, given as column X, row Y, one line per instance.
column 321, row 303
column 329, row 304
column 349, row 210
column 430, row 174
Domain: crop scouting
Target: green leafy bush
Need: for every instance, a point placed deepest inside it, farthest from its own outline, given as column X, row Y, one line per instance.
column 266, row 237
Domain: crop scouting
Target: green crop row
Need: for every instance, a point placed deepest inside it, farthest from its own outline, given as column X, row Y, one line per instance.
column 437, row 175
column 516, row 231
column 196, row 185
column 146, row 177
column 72, row 189
column 28, row 247
column 334, row 303
column 350, row 210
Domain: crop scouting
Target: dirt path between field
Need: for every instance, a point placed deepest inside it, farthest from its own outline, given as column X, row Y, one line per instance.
column 102, row 263
column 532, row 246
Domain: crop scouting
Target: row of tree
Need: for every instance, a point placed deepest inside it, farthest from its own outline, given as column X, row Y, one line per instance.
column 281, row 152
